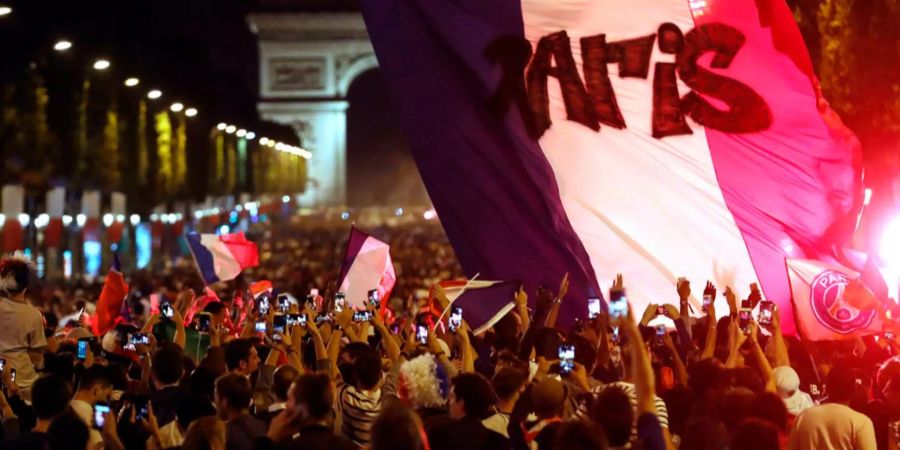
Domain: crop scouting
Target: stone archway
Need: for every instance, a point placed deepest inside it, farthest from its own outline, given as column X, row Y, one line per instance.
column 306, row 65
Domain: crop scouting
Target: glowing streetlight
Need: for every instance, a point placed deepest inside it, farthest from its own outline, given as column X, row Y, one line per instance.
column 241, row 133
column 221, row 126
column 62, row 45
column 132, row 82
column 101, row 64
column 190, row 112
column 176, row 107
column 250, row 135
column 5, row 10
column 154, row 94
column 263, row 141
column 230, row 129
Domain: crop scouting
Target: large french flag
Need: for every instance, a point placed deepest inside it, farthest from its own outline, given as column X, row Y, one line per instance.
column 656, row 138
column 483, row 302
column 367, row 265
column 222, row 257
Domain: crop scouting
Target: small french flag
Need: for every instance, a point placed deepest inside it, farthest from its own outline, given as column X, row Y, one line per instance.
column 222, row 257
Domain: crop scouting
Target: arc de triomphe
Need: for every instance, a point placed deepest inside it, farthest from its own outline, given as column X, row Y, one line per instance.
column 307, row 62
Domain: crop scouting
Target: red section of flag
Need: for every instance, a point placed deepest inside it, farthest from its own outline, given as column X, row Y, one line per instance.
column 245, row 252
column 259, row 287
column 110, row 302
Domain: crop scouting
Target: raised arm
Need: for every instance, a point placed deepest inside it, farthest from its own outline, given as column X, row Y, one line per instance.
column 709, row 348
column 387, row 340
column 557, row 302
column 681, row 374
column 779, row 347
column 758, row 353
column 522, row 308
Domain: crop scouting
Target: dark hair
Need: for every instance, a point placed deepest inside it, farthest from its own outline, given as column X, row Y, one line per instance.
column 191, row 408
column 841, row 384
column 202, row 381
column 352, row 351
column 20, row 273
column 397, row 428
column 50, row 395
column 168, row 364
column 93, row 376
column 770, row 407
column 580, row 435
column 214, row 307
column 704, row 433
column 546, row 343
column 705, row 376
column 316, row 392
column 282, row 379
column 235, row 389
column 679, row 403
column 367, row 368
column 475, row 392
column 68, row 432
column 237, row 350
column 755, row 434
column 507, row 382
column 612, row 410
column 585, row 352
column 736, row 406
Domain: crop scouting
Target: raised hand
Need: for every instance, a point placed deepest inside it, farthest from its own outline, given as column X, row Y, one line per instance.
column 732, row 300
column 710, row 290
column 671, row 311
column 649, row 314
column 563, row 287
column 521, row 297
column 684, row 290
column 755, row 295
column 618, row 283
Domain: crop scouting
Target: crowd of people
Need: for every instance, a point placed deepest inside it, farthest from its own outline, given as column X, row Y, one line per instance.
column 195, row 367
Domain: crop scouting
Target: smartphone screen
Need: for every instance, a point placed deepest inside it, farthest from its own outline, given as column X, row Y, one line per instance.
column 373, row 297
column 141, row 406
column 593, row 308
column 279, row 322
column 362, row 316
column 12, row 375
column 660, row 310
column 315, row 292
column 321, row 318
column 140, row 339
column 566, row 358
column 2, row 364
column 202, row 322
column 660, row 332
column 618, row 304
column 339, row 303
column 455, row 319
column 283, row 303
column 100, row 412
column 889, row 335
column 166, row 309
column 765, row 312
column 260, row 326
column 82, row 349
column 422, row 333
column 744, row 320
column 262, row 304
column 707, row 300
column 301, row 320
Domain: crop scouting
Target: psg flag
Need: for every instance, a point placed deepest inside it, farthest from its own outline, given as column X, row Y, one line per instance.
column 654, row 138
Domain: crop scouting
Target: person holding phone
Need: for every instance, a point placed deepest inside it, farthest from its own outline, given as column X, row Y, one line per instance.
column 306, row 420
column 22, row 341
column 94, row 388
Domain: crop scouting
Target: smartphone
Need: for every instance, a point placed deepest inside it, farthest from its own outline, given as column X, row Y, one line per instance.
column 294, row 319
column 139, row 339
column 455, row 319
column 141, row 404
column 615, row 335
column 315, row 292
column 301, row 320
column 12, row 375
column 262, row 304
column 202, row 321
column 311, row 302
column 618, row 304
column 422, row 333
column 593, row 308
column 744, row 317
column 2, row 364
column 660, row 333
column 566, row 359
column 100, row 412
column 166, row 309
column 766, row 308
column 82, row 349
column 322, row 318
column 660, row 310
column 889, row 335
column 339, row 302
column 279, row 323
column 283, row 303
column 707, row 300
column 374, row 300
column 362, row 316
column 260, row 326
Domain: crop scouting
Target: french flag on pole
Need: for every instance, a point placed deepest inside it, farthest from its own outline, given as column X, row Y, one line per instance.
column 222, row 257
column 654, row 138
column 483, row 302
column 367, row 265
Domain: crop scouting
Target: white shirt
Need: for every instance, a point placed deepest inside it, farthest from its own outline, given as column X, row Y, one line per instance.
column 23, row 330
column 499, row 422
column 832, row 426
column 85, row 412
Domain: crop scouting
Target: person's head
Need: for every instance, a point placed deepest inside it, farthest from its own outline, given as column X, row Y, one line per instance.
column 167, row 365
column 580, row 435
column 706, row 379
column 736, row 406
column 508, row 383
column 585, row 351
column 50, row 395
column 771, row 408
column 232, row 394
column 95, row 385
column 312, row 395
column 241, row 356
column 471, row 395
column 68, row 432
column 206, row 433
column 216, row 312
column 367, row 369
column 397, row 428
column 191, row 408
column 546, row 343
column 282, row 379
column 548, row 397
column 202, row 381
column 679, row 403
column 841, row 384
column 755, row 434
column 423, row 382
column 887, row 380
column 612, row 410
column 347, row 355
column 704, row 433
column 15, row 276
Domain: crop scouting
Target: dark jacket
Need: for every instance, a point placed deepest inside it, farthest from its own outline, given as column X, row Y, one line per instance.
column 468, row 433
column 311, row 437
column 242, row 432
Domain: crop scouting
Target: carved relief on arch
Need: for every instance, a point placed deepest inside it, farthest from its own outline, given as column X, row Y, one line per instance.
column 350, row 66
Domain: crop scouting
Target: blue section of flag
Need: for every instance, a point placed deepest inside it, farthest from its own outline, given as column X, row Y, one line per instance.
column 484, row 305
column 202, row 258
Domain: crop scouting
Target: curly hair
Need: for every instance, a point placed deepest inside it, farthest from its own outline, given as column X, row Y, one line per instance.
column 15, row 274
column 423, row 382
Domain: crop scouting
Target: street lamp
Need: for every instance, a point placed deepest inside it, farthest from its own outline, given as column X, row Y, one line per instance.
column 250, row 135
column 230, row 129
column 190, row 112
column 5, row 10
column 101, row 64
column 221, row 126
column 132, row 82
column 62, row 45
column 154, row 94
column 241, row 133
column 176, row 107
column 263, row 141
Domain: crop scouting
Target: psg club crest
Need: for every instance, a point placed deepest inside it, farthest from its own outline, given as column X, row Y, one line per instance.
column 826, row 296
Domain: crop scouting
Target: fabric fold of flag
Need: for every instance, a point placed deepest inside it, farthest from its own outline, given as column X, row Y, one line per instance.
column 367, row 265
column 483, row 302
column 222, row 258
column 110, row 303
